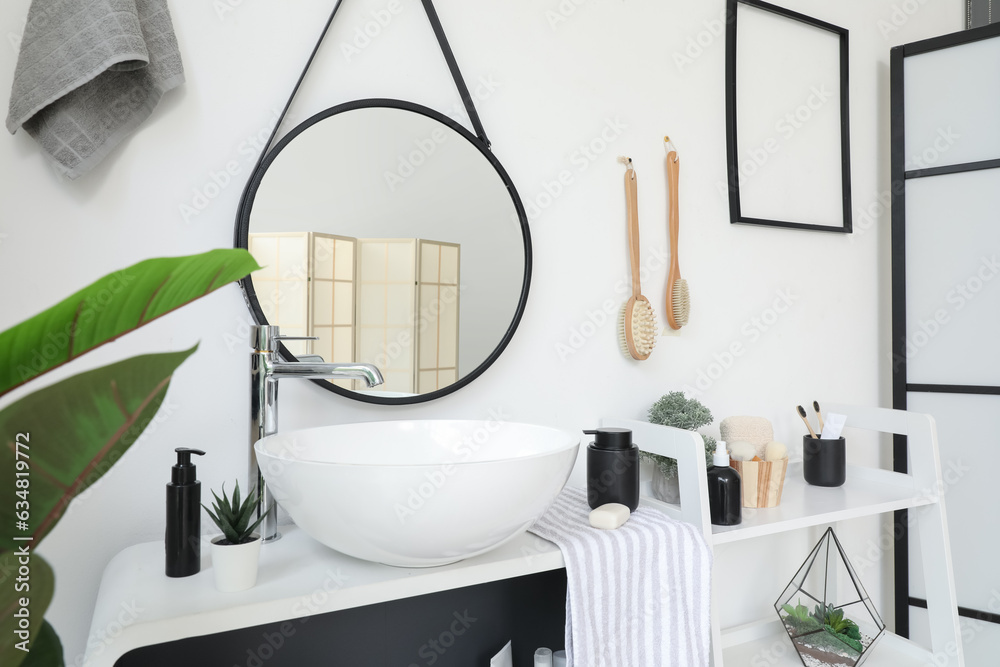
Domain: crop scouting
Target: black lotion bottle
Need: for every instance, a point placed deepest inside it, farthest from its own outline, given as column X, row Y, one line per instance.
column 612, row 468
column 725, row 494
column 183, row 536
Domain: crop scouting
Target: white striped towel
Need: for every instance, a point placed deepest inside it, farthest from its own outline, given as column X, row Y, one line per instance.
column 638, row 596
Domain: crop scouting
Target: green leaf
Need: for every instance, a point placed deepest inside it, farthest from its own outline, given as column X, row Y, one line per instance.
column 111, row 307
column 41, row 586
column 236, row 497
column 47, row 650
column 215, row 519
column 249, row 531
column 76, row 429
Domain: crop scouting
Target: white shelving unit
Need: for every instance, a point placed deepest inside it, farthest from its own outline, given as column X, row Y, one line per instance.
column 867, row 492
column 300, row 577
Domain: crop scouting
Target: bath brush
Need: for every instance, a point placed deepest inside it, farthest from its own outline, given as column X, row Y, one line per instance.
column 678, row 295
column 636, row 322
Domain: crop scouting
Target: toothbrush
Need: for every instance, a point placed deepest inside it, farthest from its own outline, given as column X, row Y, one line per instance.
column 819, row 416
column 805, row 420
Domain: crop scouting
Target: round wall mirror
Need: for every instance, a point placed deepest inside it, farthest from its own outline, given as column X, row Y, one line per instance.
column 393, row 236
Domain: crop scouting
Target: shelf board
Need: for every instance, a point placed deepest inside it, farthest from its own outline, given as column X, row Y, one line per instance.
column 866, row 492
column 776, row 650
column 298, row 577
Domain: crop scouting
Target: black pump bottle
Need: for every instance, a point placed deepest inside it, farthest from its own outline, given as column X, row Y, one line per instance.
column 612, row 468
column 183, row 536
column 725, row 495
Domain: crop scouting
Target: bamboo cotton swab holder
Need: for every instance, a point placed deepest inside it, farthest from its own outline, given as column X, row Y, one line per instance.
column 762, row 481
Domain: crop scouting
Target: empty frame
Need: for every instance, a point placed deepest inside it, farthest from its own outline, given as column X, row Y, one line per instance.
column 787, row 119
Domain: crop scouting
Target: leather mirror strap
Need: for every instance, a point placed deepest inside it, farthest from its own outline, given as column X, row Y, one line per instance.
column 449, row 57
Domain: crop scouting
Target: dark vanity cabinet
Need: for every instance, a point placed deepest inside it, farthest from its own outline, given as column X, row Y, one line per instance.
column 462, row 627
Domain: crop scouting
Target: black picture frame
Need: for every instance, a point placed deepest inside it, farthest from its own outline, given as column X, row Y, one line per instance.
column 735, row 212
column 242, row 231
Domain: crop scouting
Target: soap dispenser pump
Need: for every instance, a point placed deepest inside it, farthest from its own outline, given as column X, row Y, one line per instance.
column 183, row 535
column 725, row 494
column 612, row 468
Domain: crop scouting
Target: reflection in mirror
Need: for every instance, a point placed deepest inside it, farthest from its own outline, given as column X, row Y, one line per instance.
column 392, row 238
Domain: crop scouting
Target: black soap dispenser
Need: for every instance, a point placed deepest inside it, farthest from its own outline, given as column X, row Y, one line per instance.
column 183, row 536
column 612, row 468
column 725, row 492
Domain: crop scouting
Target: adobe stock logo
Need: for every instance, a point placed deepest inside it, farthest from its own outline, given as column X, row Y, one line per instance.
column 751, row 331
column 436, row 647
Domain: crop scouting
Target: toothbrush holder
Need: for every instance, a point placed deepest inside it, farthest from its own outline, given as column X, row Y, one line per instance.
column 824, row 462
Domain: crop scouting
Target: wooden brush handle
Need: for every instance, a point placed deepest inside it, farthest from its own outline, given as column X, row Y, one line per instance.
column 673, row 180
column 632, row 208
column 673, row 176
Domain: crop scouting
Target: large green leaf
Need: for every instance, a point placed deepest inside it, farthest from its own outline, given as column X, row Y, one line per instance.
column 114, row 305
column 36, row 588
column 75, row 431
column 46, row 650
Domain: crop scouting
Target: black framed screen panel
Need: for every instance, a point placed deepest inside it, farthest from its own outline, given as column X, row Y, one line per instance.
column 979, row 13
column 945, row 162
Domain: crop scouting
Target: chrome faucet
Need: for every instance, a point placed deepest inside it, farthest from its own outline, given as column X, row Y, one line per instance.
column 266, row 368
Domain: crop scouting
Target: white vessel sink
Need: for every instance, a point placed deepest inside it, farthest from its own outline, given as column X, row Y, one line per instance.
column 417, row 493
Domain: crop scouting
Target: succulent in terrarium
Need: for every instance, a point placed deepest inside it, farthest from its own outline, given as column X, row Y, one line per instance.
column 843, row 626
column 800, row 619
column 674, row 409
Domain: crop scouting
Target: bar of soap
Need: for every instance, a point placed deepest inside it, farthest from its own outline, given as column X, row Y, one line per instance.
column 610, row 516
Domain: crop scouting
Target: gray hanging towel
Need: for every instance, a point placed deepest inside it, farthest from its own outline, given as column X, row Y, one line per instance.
column 89, row 73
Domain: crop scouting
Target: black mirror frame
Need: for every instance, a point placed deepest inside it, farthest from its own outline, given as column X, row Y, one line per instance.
column 735, row 214
column 242, row 231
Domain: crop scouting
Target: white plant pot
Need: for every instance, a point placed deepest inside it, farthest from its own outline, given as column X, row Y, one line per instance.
column 667, row 490
column 235, row 565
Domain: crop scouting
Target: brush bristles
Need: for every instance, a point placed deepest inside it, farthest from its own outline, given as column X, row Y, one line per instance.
column 643, row 327
column 681, row 302
column 622, row 335
column 640, row 330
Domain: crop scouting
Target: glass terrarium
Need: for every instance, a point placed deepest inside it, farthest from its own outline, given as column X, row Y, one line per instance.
column 826, row 611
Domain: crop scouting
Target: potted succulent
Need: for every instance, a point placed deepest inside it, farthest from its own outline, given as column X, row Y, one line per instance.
column 675, row 410
column 235, row 553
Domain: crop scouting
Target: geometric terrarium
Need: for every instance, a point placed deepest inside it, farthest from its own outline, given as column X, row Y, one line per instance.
column 826, row 611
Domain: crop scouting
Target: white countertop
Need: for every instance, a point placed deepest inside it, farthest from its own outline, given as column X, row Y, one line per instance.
column 138, row 605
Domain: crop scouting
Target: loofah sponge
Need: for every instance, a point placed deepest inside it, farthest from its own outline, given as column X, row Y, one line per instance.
column 755, row 430
column 775, row 451
column 742, row 451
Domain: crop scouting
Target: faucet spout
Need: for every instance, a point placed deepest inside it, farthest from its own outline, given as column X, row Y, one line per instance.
column 368, row 373
column 266, row 368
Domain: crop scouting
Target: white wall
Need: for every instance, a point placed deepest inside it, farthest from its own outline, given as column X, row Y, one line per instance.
column 610, row 70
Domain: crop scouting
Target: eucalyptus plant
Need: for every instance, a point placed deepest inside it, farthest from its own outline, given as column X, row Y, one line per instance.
column 674, row 409
column 67, row 435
